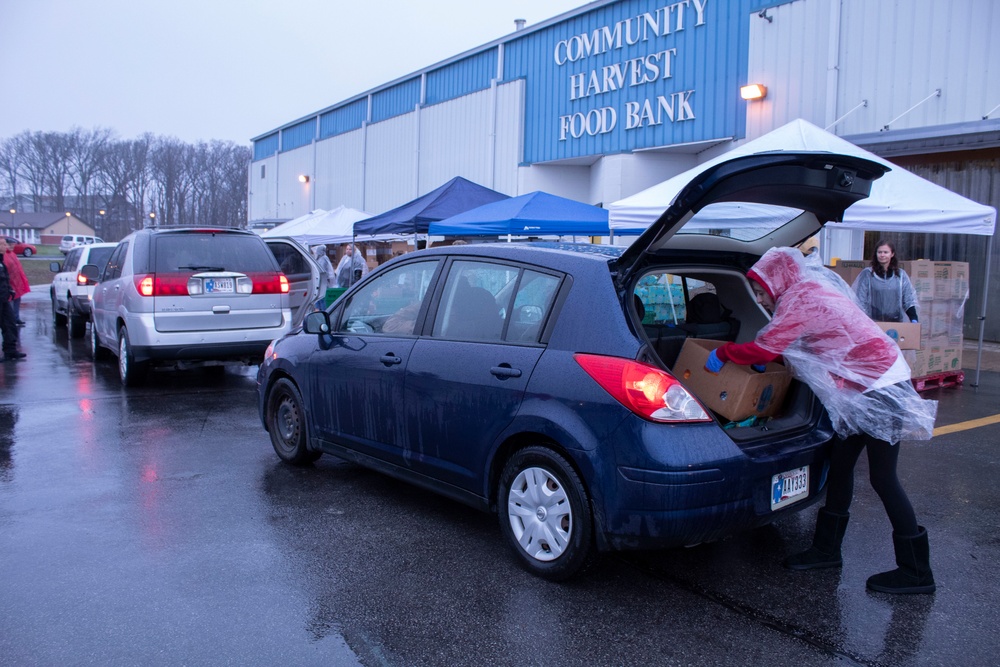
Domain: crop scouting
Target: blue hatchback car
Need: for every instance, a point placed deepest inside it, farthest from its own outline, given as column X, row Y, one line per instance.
column 534, row 380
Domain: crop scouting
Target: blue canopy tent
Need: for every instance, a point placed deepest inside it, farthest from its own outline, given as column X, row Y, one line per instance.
column 533, row 214
column 455, row 196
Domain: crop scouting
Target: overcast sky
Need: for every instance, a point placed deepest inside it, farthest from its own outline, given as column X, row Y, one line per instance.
column 223, row 69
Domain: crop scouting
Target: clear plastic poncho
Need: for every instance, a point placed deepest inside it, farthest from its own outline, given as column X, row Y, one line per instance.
column 828, row 342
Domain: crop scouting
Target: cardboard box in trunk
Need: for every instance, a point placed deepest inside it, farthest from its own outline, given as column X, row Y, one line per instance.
column 736, row 392
column 906, row 334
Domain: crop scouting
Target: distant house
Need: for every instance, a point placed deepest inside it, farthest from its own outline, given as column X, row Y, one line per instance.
column 42, row 228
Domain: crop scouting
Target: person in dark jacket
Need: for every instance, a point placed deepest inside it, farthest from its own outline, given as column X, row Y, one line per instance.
column 8, row 321
column 859, row 375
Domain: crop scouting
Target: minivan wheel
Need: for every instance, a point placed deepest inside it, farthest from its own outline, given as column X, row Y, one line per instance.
column 77, row 324
column 97, row 352
column 130, row 372
column 58, row 319
column 286, row 423
column 544, row 513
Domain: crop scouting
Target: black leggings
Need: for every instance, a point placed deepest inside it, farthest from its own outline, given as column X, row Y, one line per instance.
column 882, row 458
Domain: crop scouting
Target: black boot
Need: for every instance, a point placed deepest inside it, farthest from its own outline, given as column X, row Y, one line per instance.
column 913, row 556
column 825, row 549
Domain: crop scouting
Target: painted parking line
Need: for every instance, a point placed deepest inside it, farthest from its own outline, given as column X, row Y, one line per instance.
column 965, row 426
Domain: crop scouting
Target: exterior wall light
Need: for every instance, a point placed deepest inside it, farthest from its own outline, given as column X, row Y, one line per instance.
column 753, row 91
column 303, row 178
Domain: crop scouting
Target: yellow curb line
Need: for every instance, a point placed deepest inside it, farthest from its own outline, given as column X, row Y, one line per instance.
column 965, row 426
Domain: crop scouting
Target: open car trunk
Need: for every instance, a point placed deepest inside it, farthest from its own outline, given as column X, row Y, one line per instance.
column 714, row 303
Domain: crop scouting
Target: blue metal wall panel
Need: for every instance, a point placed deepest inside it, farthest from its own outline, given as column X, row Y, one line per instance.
column 598, row 83
column 461, row 78
column 395, row 101
column 265, row 147
column 298, row 135
column 343, row 119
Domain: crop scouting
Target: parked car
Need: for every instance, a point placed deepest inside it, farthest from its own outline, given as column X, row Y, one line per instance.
column 71, row 291
column 189, row 297
column 70, row 241
column 532, row 380
column 20, row 247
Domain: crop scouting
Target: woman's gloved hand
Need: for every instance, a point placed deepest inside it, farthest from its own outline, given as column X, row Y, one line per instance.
column 714, row 364
column 760, row 368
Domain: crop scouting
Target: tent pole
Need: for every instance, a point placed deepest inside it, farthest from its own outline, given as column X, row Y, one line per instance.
column 982, row 314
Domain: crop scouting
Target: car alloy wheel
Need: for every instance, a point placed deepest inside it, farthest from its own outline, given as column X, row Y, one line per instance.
column 545, row 514
column 27, row 252
column 287, row 424
column 130, row 372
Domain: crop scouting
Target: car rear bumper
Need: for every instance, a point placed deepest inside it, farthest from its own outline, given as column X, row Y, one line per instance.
column 654, row 509
column 223, row 345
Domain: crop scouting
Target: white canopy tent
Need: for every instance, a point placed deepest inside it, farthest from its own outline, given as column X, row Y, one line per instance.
column 319, row 226
column 900, row 201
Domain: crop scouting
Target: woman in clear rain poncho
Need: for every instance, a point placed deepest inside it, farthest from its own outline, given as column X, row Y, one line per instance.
column 859, row 375
column 884, row 290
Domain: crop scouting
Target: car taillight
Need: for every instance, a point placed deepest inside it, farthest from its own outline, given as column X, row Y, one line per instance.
column 269, row 283
column 82, row 281
column 162, row 284
column 646, row 390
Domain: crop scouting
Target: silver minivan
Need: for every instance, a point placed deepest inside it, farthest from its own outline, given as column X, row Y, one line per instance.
column 187, row 297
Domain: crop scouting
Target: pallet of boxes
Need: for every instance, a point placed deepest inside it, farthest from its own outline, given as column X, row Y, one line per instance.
column 942, row 290
column 933, row 349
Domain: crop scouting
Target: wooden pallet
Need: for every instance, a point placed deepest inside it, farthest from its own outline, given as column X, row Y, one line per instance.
column 938, row 380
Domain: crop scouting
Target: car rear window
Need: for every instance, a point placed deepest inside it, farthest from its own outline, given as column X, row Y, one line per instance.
column 211, row 252
column 99, row 256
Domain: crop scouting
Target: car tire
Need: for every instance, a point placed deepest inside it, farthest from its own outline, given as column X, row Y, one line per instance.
column 27, row 252
column 544, row 513
column 96, row 351
column 286, row 424
column 130, row 372
column 58, row 319
column 77, row 324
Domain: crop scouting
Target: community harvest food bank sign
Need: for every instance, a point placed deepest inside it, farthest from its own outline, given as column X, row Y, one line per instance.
column 631, row 75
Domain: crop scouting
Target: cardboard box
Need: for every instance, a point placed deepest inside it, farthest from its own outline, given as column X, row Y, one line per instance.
column 906, row 334
column 934, row 360
column 848, row 273
column 736, row 392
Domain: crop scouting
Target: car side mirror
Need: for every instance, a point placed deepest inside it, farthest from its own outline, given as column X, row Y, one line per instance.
column 317, row 323
column 90, row 272
column 55, row 267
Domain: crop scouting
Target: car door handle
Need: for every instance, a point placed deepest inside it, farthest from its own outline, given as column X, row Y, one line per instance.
column 504, row 371
column 390, row 359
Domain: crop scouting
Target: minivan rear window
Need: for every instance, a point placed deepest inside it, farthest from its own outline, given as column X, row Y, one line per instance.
column 211, row 252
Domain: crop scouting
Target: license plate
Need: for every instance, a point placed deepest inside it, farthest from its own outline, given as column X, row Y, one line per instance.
column 218, row 285
column 789, row 487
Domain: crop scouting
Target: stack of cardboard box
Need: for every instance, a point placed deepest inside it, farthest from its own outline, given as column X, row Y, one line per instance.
column 942, row 289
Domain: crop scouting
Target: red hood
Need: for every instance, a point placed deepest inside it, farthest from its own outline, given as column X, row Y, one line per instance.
column 777, row 270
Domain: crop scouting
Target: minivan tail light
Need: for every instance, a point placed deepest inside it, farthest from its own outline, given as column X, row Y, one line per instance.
column 269, row 283
column 646, row 390
column 144, row 285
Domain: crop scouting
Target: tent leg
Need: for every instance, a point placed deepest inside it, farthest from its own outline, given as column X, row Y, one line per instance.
column 982, row 314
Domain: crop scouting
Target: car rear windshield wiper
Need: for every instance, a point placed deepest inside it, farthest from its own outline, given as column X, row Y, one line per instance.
column 203, row 268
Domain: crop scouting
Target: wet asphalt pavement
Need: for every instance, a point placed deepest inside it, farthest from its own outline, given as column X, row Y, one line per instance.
column 156, row 526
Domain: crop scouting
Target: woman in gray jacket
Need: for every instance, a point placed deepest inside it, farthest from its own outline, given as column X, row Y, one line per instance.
column 884, row 290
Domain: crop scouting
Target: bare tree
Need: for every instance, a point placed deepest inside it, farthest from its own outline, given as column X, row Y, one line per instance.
column 86, row 159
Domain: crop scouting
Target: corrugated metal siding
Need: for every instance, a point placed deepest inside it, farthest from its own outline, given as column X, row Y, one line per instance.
column 461, row 78
column 340, row 171
column 455, row 139
column 391, row 163
column 789, row 55
column 711, row 60
column 294, row 198
column 298, row 135
column 399, row 99
column 343, row 119
column 895, row 54
column 509, row 131
column 265, row 147
column 978, row 179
